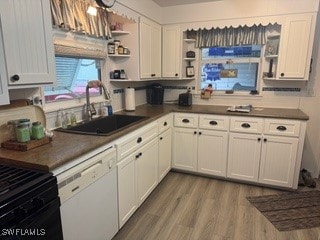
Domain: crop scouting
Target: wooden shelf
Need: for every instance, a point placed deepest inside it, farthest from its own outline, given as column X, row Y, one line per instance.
column 271, row 56
column 119, row 33
column 119, row 55
column 274, row 36
column 189, row 59
column 189, row 40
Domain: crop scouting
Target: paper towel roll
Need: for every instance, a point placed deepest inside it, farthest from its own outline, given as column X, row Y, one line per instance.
column 130, row 99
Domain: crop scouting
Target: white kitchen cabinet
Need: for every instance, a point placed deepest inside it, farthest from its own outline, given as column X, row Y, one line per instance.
column 200, row 143
column 4, row 93
column 212, row 152
column 278, row 158
column 27, row 41
column 150, row 49
column 147, row 169
column 171, row 51
column 244, row 156
column 165, row 144
column 127, row 188
column 185, row 149
column 295, row 48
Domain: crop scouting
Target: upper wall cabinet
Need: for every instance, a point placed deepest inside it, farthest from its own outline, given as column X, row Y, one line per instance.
column 295, row 48
column 27, row 42
column 171, row 52
column 4, row 94
column 150, row 49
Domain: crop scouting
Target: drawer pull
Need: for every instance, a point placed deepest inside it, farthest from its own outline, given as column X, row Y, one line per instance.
column 161, row 138
column 245, row 125
column 259, row 139
column 165, row 124
column 194, row 132
column 281, row 128
column 139, row 140
column 185, row 120
column 213, row 123
column 265, row 140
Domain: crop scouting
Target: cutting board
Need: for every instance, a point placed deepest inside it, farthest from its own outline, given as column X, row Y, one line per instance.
column 14, row 145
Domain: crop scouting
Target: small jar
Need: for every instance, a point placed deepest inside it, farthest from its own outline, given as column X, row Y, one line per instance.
column 111, row 48
column 126, row 51
column 116, row 45
column 37, row 131
column 23, row 133
column 120, row 49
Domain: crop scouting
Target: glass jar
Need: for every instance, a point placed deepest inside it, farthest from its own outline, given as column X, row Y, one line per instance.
column 116, row 45
column 111, row 48
column 37, row 131
column 120, row 49
column 23, row 133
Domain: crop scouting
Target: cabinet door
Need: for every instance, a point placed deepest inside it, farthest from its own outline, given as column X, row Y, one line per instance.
column 164, row 153
column 278, row 159
column 244, row 156
column 150, row 49
column 147, row 169
column 4, row 94
column 295, row 47
column 27, row 38
column 127, row 189
column 185, row 149
column 212, row 152
column 156, row 50
column 171, row 51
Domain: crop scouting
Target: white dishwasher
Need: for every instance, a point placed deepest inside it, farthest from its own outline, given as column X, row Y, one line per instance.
column 88, row 194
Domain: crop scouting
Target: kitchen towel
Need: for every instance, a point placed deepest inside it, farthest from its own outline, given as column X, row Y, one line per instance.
column 130, row 99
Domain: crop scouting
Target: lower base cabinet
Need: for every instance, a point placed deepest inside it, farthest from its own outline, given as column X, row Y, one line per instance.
column 278, row 160
column 137, row 177
column 244, row 156
column 165, row 143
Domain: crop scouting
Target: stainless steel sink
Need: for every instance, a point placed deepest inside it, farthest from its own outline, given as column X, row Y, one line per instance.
column 104, row 126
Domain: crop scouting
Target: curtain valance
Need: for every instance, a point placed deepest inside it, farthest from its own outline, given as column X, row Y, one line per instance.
column 67, row 51
column 72, row 15
column 230, row 36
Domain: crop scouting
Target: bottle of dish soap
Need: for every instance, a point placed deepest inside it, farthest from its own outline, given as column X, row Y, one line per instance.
column 110, row 110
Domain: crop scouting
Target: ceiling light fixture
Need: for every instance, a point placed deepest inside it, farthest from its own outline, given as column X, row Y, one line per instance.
column 92, row 11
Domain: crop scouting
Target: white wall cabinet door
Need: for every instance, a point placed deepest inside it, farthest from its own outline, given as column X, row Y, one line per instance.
column 295, row 47
column 150, row 49
column 185, row 149
column 27, row 40
column 165, row 143
column 278, row 158
column 244, row 156
column 147, row 169
column 212, row 152
column 4, row 94
column 127, row 189
column 171, row 51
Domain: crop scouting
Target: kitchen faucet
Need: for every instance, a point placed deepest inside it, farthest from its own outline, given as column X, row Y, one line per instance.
column 95, row 84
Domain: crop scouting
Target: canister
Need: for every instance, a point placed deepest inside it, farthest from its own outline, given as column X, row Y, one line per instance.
column 23, row 133
column 120, row 49
column 37, row 131
column 111, row 48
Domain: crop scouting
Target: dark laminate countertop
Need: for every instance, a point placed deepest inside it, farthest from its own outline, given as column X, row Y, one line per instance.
column 65, row 147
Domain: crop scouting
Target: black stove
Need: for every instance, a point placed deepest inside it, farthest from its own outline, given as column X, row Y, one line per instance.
column 29, row 204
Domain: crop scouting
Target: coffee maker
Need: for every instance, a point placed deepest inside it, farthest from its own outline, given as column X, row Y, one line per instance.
column 155, row 94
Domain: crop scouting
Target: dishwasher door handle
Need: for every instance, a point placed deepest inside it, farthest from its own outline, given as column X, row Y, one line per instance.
column 91, row 168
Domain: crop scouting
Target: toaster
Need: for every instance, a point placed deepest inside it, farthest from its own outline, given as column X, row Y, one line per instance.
column 185, row 99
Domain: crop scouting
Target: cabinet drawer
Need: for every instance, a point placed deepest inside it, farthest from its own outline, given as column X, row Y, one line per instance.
column 165, row 123
column 135, row 140
column 282, row 127
column 246, row 124
column 214, row 122
column 186, row 120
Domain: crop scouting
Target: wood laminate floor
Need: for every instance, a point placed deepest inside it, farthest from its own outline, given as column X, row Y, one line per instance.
column 186, row 207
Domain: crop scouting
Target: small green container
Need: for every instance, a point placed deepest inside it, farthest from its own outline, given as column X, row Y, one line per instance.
column 37, row 131
column 23, row 133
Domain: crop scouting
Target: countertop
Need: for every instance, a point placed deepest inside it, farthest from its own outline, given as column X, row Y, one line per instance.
column 66, row 147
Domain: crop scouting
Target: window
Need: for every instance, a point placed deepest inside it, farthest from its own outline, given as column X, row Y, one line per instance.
column 230, row 68
column 72, row 76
